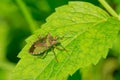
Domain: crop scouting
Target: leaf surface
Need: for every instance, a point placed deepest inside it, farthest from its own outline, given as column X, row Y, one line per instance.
column 88, row 33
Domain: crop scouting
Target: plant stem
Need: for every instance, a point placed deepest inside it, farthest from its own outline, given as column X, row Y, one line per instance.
column 27, row 15
column 108, row 8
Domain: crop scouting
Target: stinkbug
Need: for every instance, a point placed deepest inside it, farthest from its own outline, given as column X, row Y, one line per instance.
column 44, row 45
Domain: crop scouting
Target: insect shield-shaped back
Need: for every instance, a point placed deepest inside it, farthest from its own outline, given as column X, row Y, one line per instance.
column 38, row 47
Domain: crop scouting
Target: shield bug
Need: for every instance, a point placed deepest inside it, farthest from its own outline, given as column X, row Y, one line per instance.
column 44, row 45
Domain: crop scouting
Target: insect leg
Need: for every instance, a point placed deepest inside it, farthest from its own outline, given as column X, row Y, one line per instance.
column 44, row 54
column 62, row 48
column 59, row 38
column 55, row 55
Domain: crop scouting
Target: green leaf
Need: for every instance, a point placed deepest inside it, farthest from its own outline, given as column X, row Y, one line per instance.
column 88, row 33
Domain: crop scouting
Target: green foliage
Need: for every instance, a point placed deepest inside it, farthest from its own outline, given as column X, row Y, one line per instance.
column 5, row 66
column 88, row 33
column 75, row 76
column 117, row 5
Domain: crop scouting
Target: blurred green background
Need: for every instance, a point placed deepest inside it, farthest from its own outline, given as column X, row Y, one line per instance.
column 18, row 19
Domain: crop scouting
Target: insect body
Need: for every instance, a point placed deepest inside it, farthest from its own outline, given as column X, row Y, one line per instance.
column 38, row 47
column 44, row 45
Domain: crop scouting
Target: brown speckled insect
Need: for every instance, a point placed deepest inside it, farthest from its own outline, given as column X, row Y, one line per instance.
column 44, row 45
